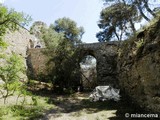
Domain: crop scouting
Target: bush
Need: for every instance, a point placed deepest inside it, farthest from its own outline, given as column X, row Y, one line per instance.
column 10, row 74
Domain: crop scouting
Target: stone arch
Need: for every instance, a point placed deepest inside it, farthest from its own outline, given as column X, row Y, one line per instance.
column 106, row 61
column 86, row 52
column 105, row 55
column 89, row 74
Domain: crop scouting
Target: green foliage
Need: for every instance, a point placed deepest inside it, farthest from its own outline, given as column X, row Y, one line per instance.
column 11, row 70
column 66, row 70
column 60, row 40
column 143, row 6
column 37, row 28
column 12, row 66
column 26, row 112
column 117, row 21
column 3, row 44
column 33, row 108
column 69, row 28
column 11, row 20
column 10, row 74
column 19, row 112
column 139, row 43
column 51, row 38
column 34, row 100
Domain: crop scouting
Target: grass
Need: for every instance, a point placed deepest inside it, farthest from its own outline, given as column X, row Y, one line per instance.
column 27, row 107
column 28, row 111
column 19, row 112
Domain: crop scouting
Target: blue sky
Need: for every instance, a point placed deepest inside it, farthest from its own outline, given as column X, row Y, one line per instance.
column 84, row 12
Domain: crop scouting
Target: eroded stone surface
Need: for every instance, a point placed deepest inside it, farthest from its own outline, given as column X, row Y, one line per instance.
column 139, row 69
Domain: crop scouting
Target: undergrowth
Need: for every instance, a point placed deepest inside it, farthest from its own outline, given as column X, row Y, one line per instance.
column 24, row 107
column 18, row 112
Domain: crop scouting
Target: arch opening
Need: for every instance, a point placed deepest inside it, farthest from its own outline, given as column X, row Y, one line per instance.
column 88, row 66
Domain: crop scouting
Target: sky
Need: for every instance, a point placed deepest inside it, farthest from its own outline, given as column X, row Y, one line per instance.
column 84, row 12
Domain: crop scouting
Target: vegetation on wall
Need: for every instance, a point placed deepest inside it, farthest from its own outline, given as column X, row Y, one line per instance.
column 12, row 65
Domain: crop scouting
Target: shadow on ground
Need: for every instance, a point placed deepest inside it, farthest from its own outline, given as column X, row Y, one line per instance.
column 122, row 107
column 75, row 103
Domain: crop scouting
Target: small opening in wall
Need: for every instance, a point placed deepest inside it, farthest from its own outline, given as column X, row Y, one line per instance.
column 89, row 73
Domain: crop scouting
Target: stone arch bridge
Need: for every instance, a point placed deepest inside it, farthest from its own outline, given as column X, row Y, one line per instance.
column 106, row 57
column 105, row 54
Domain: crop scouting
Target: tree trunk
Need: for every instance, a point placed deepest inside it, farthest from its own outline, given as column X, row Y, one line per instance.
column 141, row 12
column 132, row 26
column 117, row 35
column 138, row 5
column 148, row 9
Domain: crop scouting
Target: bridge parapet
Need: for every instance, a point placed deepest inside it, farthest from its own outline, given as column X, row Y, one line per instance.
column 97, row 45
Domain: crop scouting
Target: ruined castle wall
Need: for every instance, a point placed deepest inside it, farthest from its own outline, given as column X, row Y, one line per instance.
column 139, row 68
column 18, row 42
column 37, row 62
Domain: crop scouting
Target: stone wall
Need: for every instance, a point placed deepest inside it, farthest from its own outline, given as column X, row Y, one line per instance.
column 139, row 68
column 104, row 53
column 37, row 62
column 106, row 56
column 18, row 42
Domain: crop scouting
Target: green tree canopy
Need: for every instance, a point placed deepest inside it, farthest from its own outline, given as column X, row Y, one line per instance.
column 37, row 28
column 117, row 21
column 143, row 6
column 69, row 28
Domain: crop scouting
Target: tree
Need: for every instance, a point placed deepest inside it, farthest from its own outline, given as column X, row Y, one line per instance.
column 10, row 74
column 60, row 40
column 11, row 66
column 51, row 38
column 141, row 5
column 117, row 21
column 11, row 20
column 69, row 28
column 36, row 29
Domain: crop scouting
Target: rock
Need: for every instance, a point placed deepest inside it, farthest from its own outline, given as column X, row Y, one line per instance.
column 139, row 76
column 18, row 42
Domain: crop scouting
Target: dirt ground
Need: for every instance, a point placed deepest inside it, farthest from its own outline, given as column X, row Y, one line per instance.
column 78, row 107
